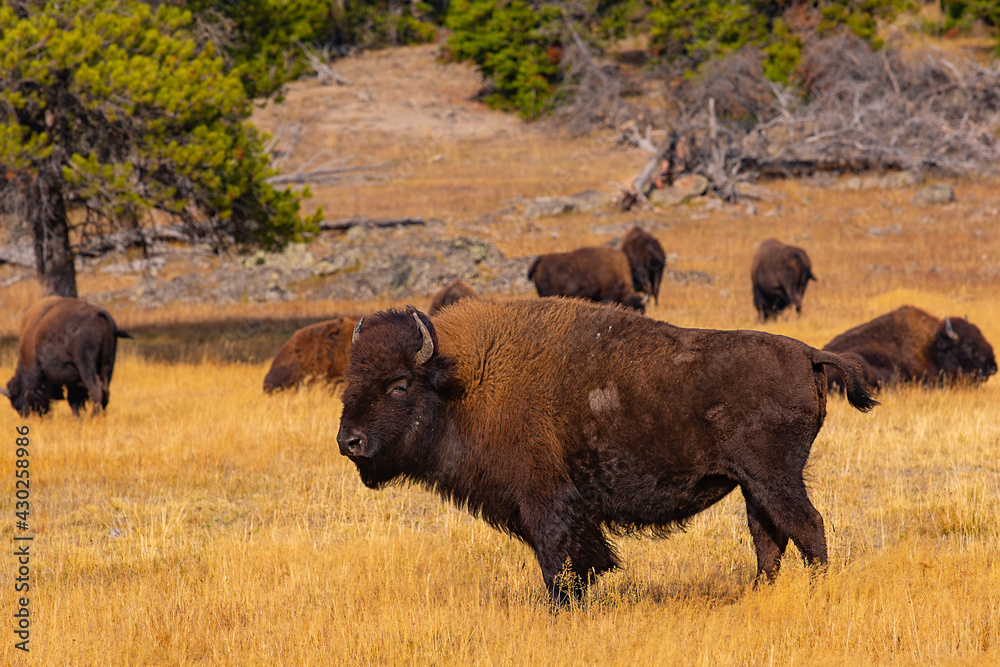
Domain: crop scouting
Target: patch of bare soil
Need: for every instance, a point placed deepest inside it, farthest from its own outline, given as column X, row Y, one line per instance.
column 391, row 98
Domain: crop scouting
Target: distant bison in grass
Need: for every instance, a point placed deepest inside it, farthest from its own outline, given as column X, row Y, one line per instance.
column 558, row 421
column 318, row 352
column 69, row 344
column 449, row 295
column 780, row 274
column 647, row 260
column 599, row 274
column 909, row 345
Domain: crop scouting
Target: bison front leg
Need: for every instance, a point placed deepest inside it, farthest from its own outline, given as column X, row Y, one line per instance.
column 570, row 547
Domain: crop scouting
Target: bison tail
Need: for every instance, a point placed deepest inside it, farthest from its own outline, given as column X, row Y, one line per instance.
column 858, row 392
column 122, row 334
column 534, row 265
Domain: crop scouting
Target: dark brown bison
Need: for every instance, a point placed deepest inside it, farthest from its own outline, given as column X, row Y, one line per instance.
column 65, row 343
column 780, row 274
column 318, row 352
column 449, row 295
column 599, row 274
column 909, row 345
column 647, row 261
column 557, row 420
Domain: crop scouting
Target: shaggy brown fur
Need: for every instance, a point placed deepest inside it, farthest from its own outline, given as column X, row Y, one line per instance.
column 65, row 343
column 780, row 274
column 318, row 352
column 599, row 274
column 449, row 295
column 909, row 345
column 647, row 260
column 557, row 420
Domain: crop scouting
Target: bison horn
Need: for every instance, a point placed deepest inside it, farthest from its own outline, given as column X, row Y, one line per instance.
column 4, row 392
column 427, row 349
column 357, row 330
column 948, row 330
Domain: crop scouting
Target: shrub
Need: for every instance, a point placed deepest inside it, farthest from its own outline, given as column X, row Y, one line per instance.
column 509, row 42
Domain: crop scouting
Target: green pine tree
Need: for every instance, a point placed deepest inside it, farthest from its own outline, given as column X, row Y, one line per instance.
column 112, row 109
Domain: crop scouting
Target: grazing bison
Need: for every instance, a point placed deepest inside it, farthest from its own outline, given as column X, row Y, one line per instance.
column 557, row 420
column 599, row 274
column 646, row 259
column 909, row 345
column 65, row 343
column 449, row 295
column 780, row 274
column 317, row 352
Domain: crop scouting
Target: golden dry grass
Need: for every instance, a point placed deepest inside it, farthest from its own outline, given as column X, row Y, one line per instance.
column 200, row 522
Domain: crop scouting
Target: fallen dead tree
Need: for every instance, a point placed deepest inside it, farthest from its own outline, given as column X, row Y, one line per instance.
column 325, row 174
column 856, row 110
column 362, row 221
column 133, row 238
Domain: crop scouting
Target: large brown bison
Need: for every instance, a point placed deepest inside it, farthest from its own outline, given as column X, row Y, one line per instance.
column 318, row 352
column 647, row 261
column 909, row 345
column 599, row 274
column 449, row 295
column 65, row 343
column 780, row 274
column 557, row 420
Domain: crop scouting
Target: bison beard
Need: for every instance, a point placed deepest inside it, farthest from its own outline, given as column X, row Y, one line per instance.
column 536, row 416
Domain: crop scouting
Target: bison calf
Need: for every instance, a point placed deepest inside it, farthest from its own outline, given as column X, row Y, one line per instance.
column 779, row 274
column 647, row 261
column 557, row 421
column 909, row 345
column 65, row 343
column 449, row 295
column 599, row 274
column 317, row 352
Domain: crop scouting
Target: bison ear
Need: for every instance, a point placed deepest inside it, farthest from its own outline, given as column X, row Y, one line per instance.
column 442, row 374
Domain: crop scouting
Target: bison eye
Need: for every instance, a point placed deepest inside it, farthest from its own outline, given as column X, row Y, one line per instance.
column 399, row 386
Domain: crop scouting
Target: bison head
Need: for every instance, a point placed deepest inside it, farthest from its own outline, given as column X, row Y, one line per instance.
column 394, row 401
column 31, row 396
column 961, row 350
column 647, row 260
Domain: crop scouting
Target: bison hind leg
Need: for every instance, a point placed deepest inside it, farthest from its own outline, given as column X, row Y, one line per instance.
column 777, row 511
column 76, row 396
column 768, row 541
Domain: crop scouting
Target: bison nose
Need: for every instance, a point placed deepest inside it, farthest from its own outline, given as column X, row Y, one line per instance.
column 351, row 442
